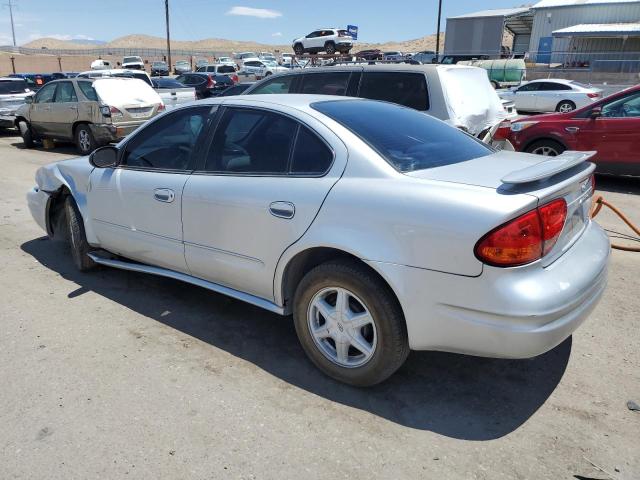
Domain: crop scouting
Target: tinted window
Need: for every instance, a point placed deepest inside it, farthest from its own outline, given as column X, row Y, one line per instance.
column 252, row 141
column 553, row 87
column 625, row 107
column 310, row 155
column 408, row 89
column 45, row 95
column 168, row 143
column 278, row 84
column 226, row 69
column 66, row 93
column 530, row 87
column 407, row 139
column 11, row 86
column 167, row 83
column 237, row 90
column 88, row 91
column 333, row 83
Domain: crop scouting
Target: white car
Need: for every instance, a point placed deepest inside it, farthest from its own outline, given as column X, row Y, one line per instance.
column 393, row 56
column 242, row 56
column 100, row 64
column 133, row 63
column 329, row 40
column 261, row 68
column 551, row 95
column 117, row 72
column 379, row 228
column 226, row 61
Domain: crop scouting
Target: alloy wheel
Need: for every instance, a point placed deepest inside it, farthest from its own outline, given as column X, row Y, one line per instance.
column 565, row 108
column 546, row 151
column 342, row 327
column 85, row 141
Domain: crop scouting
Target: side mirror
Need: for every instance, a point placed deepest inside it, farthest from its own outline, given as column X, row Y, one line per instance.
column 596, row 112
column 104, row 157
column 28, row 99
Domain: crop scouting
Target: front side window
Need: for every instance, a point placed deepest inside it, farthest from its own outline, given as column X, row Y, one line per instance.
column 252, row 141
column 88, row 91
column 66, row 93
column 407, row 139
column 279, row 84
column 46, row 93
column 624, row 107
column 530, row 87
column 332, row 83
column 168, row 143
column 408, row 89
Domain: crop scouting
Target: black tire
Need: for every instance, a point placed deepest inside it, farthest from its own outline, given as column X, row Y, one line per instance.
column 330, row 48
column 391, row 346
column 77, row 238
column 298, row 49
column 26, row 134
column 565, row 106
column 267, row 74
column 495, row 85
column 546, row 147
column 85, row 143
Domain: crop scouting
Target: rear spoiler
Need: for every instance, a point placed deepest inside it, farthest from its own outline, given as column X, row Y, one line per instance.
column 547, row 168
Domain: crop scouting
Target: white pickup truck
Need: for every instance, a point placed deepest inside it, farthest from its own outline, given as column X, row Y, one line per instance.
column 173, row 93
column 132, row 63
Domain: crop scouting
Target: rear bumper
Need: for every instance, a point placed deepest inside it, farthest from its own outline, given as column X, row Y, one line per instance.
column 108, row 132
column 510, row 313
column 7, row 120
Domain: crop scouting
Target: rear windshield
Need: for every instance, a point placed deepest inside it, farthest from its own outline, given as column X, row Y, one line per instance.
column 167, row 83
column 407, row 139
column 131, row 59
column 12, row 86
column 226, row 69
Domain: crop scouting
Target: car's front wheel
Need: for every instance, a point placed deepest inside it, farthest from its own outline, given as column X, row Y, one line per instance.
column 298, row 49
column 546, row 147
column 85, row 143
column 77, row 237
column 330, row 48
column 350, row 324
column 25, row 133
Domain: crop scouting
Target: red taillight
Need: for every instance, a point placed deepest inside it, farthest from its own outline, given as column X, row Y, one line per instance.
column 210, row 82
column 161, row 107
column 524, row 239
column 503, row 131
column 115, row 112
column 235, row 78
column 593, row 95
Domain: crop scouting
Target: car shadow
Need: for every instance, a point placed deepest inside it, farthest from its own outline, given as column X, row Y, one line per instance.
column 59, row 147
column 457, row 396
column 618, row 184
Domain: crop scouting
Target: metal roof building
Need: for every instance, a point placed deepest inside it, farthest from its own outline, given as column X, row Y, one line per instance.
column 568, row 32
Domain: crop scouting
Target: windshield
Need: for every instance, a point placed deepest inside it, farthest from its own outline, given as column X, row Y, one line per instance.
column 159, row 64
column 182, row 62
column 131, row 59
column 12, row 86
column 407, row 139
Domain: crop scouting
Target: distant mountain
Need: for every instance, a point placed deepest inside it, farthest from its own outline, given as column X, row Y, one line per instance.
column 427, row 42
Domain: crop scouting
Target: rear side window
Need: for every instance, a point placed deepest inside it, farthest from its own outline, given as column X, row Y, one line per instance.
column 408, row 89
column 311, row 156
column 332, row 83
column 10, row 86
column 407, row 139
column 553, row 87
column 66, row 93
column 88, row 91
column 279, row 84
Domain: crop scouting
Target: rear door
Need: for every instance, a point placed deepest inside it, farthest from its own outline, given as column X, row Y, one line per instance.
column 260, row 186
column 64, row 110
column 136, row 208
column 550, row 94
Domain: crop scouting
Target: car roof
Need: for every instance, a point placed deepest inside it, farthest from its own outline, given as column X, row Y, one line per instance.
column 385, row 67
column 556, row 80
column 300, row 102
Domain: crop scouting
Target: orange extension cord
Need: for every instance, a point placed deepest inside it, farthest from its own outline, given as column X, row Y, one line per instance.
column 598, row 203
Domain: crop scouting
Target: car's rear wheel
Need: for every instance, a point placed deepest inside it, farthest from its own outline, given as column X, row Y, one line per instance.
column 548, row 148
column 77, row 237
column 85, row 143
column 565, row 106
column 25, row 133
column 495, row 85
column 330, row 48
column 350, row 323
column 298, row 49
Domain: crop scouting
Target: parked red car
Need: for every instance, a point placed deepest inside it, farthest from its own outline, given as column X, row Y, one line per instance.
column 610, row 126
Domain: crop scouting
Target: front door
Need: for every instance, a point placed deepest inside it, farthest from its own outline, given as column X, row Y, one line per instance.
column 40, row 110
column 136, row 208
column 262, row 183
column 64, row 110
column 525, row 96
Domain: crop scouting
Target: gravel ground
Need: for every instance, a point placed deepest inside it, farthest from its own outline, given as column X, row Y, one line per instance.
column 115, row 374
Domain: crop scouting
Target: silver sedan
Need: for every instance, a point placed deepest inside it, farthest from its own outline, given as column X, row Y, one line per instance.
column 379, row 228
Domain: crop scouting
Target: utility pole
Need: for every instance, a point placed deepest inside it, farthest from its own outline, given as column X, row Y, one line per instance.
column 166, row 11
column 438, row 31
column 13, row 29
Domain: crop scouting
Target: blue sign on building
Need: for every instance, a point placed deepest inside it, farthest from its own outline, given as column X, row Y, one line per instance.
column 353, row 31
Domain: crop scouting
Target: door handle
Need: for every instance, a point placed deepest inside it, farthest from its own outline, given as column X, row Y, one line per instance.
column 572, row 129
column 164, row 195
column 282, row 209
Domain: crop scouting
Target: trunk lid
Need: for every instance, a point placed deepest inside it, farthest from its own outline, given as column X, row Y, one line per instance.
column 566, row 176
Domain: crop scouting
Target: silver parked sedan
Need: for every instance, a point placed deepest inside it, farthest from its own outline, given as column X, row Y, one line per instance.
column 379, row 228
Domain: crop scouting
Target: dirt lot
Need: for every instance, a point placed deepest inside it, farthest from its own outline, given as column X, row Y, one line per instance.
column 116, row 374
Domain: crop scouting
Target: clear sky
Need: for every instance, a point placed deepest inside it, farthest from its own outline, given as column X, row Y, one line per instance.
column 265, row 21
